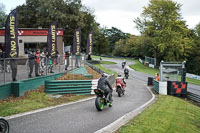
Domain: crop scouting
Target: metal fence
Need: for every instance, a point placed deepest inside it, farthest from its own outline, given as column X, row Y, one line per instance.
column 12, row 69
column 193, row 97
column 94, row 67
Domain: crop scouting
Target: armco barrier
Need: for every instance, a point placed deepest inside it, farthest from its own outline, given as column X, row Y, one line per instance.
column 94, row 67
column 18, row 88
column 193, row 97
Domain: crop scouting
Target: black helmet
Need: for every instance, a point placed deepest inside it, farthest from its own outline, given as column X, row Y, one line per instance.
column 119, row 75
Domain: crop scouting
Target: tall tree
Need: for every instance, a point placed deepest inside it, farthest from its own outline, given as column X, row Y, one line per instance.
column 193, row 62
column 69, row 14
column 161, row 20
column 2, row 15
column 114, row 35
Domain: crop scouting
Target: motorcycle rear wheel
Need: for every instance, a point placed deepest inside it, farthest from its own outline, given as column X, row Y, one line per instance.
column 119, row 91
column 99, row 103
column 4, row 126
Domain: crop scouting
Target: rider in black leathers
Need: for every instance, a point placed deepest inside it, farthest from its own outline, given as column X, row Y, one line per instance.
column 106, row 87
column 126, row 71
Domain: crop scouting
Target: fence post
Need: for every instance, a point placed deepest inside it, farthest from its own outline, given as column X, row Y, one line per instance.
column 46, row 65
column 4, row 69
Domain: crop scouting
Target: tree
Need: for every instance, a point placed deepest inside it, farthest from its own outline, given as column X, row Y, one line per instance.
column 161, row 21
column 193, row 63
column 113, row 36
column 2, row 15
column 69, row 14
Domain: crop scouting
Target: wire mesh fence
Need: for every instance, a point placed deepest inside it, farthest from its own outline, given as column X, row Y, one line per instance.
column 12, row 69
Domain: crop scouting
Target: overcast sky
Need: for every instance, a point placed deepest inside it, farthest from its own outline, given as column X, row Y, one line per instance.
column 121, row 13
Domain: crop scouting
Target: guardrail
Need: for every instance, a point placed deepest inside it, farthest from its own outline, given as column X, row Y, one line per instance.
column 94, row 67
column 193, row 97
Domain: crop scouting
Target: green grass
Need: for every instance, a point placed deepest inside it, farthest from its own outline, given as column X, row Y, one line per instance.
column 110, row 72
column 168, row 115
column 141, row 68
column 193, row 81
column 107, row 62
column 32, row 101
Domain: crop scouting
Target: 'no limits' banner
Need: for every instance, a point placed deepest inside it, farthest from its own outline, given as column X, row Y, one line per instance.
column 11, row 38
column 89, row 44
column 52, row 40
column 77, row 42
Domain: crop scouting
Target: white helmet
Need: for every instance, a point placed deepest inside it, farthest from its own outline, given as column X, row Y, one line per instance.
column 105, row 75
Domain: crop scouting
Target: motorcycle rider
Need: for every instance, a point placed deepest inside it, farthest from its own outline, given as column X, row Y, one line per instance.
column 126, row 71
column 121, row 80
column 106, row 87
column 123, row 63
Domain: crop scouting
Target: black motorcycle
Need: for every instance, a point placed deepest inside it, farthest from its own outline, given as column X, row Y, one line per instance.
column 126, row 75
column 101, row 101
column 4, row 126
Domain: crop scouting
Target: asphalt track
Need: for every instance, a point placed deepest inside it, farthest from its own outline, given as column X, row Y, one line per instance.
column 82, row 117
column 144, row 77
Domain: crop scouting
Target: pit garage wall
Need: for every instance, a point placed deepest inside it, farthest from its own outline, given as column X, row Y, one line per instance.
column 35, row 39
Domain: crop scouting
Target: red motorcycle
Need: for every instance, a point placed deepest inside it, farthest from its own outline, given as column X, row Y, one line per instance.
column 120, row 87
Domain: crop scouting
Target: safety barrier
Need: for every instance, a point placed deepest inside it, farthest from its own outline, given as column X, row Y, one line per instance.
column 81, row 70
column 193, row 97
column 80, row 87
column 94, row 67
column 18, row 88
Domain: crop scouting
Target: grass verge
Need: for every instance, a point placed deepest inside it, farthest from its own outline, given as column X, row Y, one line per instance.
column 37, row 99
column 33, row 100
column 108, row 71
column 168, row 115
column 107, row 62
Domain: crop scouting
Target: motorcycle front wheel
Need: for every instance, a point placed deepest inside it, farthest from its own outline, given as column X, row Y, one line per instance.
column 4, row 126
column 99, row 103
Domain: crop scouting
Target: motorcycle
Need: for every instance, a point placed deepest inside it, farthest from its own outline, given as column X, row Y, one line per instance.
column 119, row 89
column 123, row 65
column 4, row 126
column 126, row 75
column 101, row 101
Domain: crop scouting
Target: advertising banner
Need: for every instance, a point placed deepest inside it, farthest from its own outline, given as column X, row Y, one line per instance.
column 52, row 40
column 77, row 42
column 11, row 38
column 89, row 44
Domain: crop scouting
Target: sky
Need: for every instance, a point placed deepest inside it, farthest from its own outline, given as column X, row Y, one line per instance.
column 121, row 13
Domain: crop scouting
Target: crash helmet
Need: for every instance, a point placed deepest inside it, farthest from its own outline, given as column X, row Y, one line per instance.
column 104, row 75
column 119, row 75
